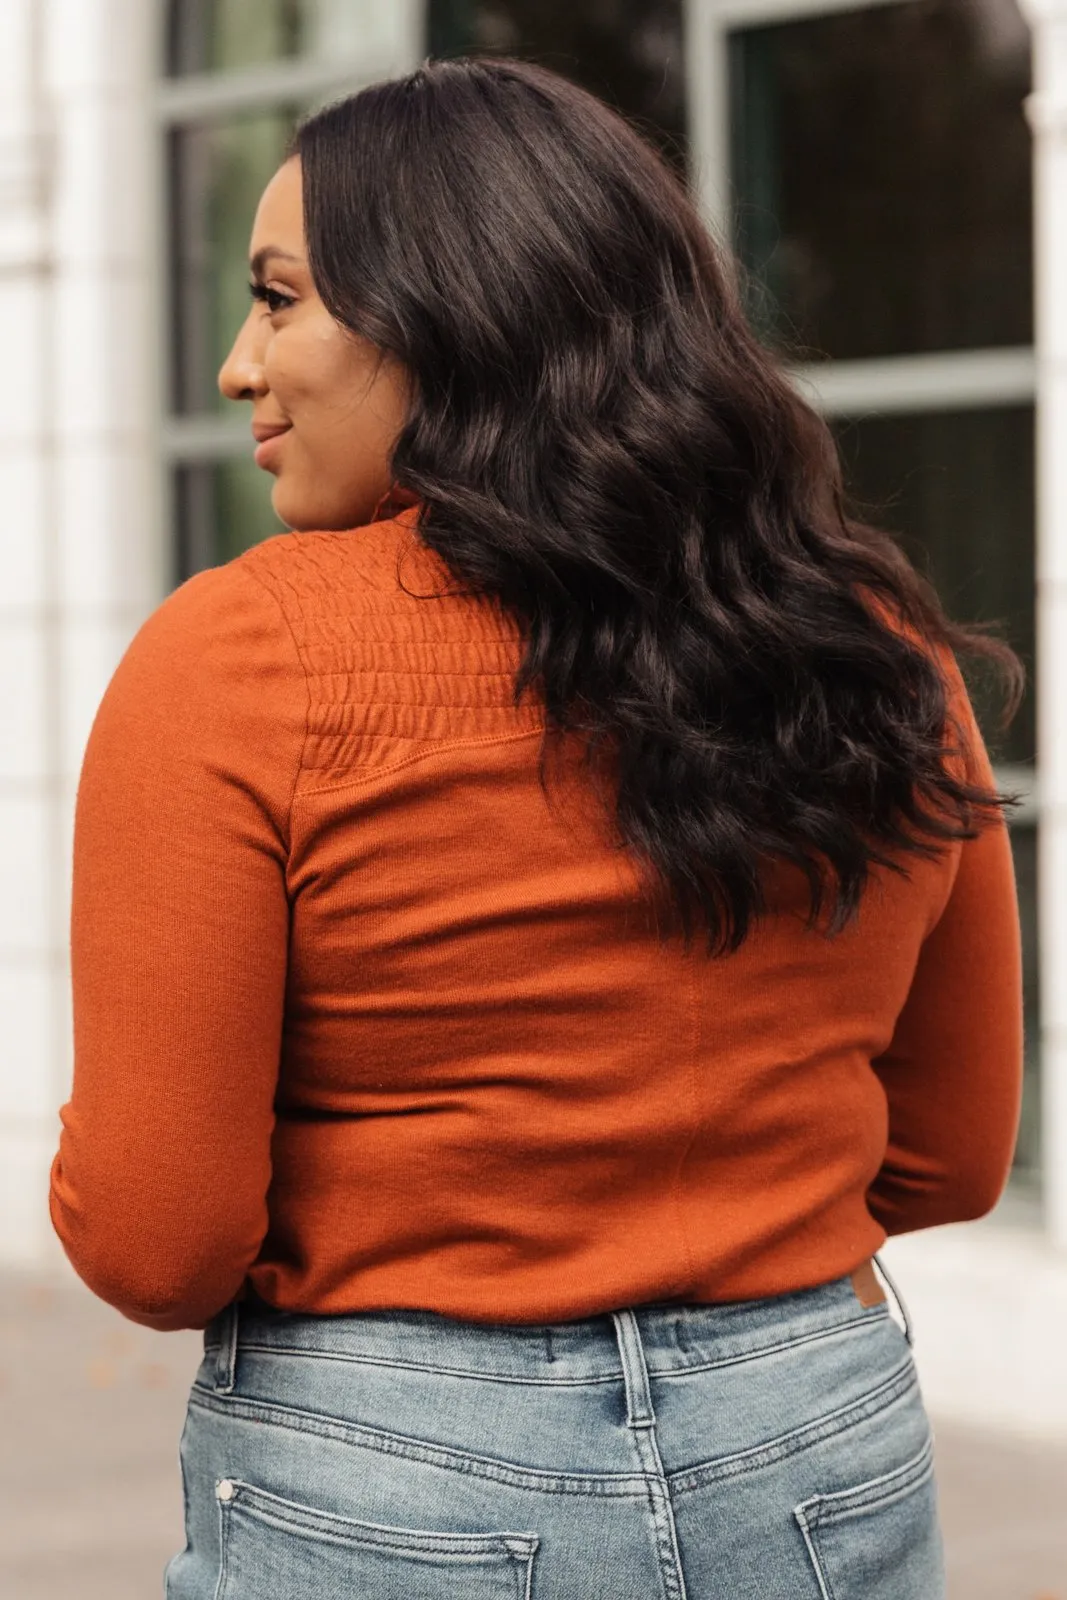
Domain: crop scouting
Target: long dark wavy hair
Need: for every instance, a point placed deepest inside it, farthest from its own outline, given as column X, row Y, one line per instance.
column 602, row 448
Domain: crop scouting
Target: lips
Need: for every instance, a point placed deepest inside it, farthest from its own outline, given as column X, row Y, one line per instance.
column 267, row 435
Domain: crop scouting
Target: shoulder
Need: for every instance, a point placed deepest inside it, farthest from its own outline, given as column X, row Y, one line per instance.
column 344, row 593
column 966, row 754
column 216, row 652
column 364, row 564
column 221, row 617
column 209, row 695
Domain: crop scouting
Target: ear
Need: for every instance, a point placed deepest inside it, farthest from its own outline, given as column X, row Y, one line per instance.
column 395, row 499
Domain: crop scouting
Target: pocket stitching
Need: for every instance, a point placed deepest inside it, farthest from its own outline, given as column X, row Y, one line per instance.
column 224, row 1549
column 870, row 1404
column 884, row 1490
column 825, row 1510
column 333, row 1528
column 272, row 1414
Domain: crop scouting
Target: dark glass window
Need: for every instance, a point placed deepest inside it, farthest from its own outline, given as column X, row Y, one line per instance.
column 1028, row 1145
column 217, row 172
column 958, row 489
column 627, row 51
column 881, row 169
column 220, row 508
column 223, row 35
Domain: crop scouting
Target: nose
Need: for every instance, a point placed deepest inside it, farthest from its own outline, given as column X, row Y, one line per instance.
column 242, row 375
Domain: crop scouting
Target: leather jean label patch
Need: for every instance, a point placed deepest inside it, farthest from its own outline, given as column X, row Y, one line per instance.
column 869, row 1291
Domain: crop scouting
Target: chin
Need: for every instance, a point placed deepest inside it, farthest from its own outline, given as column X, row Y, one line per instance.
column 304, row 513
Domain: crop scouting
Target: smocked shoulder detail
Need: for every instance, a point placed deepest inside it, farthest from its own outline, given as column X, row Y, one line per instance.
column 395, row 657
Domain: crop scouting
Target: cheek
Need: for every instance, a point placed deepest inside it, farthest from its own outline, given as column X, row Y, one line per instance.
column 345, row 410
column 286, row 370
column 316, row 382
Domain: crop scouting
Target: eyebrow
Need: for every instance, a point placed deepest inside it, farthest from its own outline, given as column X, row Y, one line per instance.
column 263, row 255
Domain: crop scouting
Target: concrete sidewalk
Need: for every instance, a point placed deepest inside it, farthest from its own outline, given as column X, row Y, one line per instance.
column 91, row 1409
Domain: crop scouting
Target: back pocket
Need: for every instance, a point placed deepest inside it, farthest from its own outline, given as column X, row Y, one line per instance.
column 880, row 1540
column 274, row 1549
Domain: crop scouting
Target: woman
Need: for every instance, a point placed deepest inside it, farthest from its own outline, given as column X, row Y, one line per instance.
column 541, row 923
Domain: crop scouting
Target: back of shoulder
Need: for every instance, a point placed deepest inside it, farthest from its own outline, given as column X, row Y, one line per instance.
column 263, row 601
column 219, row 613
column 360, row 570
column 378, row 585
column 966, row 754
column 216, row 653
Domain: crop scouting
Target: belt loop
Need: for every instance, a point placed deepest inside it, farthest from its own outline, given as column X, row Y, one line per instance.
column 898, row 1298
column 639, row 1413
column 226, row 1359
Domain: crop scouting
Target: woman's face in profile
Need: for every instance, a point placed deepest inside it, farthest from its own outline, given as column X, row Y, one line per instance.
column 327, row 405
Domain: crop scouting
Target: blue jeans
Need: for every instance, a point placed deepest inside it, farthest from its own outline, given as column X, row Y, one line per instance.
column 764, row 1450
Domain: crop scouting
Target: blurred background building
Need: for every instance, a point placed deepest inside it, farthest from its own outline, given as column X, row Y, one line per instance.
column 893, row 177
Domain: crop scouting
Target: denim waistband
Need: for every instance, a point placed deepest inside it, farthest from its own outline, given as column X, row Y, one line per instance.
column 638, row 1341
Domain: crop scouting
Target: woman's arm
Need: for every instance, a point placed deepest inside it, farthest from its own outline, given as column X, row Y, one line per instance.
column 179, row 936
column 953, row 1071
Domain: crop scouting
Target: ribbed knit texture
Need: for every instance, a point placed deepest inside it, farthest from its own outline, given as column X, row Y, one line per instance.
column 363, row 1018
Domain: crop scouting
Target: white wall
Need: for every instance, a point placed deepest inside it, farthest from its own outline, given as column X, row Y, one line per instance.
column 29, row 941
column 1047, row 110
column 989, row 1304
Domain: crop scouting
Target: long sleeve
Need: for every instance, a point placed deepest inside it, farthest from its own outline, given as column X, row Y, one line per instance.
column 953, row 1071
column 179, row 937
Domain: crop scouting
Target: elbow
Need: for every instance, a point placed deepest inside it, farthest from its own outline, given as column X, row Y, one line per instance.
column 975, row 1193
column 961, row 1192
column 162, row 1282
column 973, row 1182
column 164, row 1301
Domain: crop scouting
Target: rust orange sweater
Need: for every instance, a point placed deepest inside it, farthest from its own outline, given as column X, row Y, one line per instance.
column 362, row 1018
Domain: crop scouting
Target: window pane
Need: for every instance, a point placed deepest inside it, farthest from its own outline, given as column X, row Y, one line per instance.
column 627, row 51
column 1028, row 1147
column 958, row 488
column 220, row 508
column 220, row 35
column 217, row 172
column 881, row 165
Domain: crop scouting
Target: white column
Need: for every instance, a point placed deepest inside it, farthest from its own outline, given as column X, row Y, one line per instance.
column 81, row 545
column 1047, row 110
column 31, row 951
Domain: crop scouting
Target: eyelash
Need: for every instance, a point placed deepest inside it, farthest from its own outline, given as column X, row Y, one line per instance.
column 259, row 291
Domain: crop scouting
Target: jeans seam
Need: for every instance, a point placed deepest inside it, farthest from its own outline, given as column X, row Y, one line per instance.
column 184, row 1474
column 662, row 1512
column 852, row 1324
column 825, row 1510
column 223, row 1540
column 901, row 1382
column 848, row 1325
column 291, row 1516
column 271, row 1414
column 226, row 1353
column 641, row 1425
column 813, row 1555
column 248, row 1346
